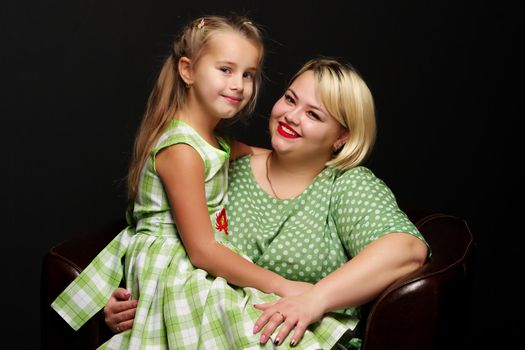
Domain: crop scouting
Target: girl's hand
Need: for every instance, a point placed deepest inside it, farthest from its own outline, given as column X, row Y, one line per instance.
column 296, row 312
column 119, row 312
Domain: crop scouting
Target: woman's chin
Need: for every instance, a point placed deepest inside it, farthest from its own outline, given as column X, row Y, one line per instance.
column 282, row 146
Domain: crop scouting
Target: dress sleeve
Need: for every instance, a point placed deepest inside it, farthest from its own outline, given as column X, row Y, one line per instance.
column 181, row 134
column 173, row 137
column 364, row 209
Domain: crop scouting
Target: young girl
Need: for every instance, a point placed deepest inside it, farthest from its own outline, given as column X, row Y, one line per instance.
column 177, row 183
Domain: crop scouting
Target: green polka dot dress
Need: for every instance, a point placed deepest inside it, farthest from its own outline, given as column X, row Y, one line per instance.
column 311, row 235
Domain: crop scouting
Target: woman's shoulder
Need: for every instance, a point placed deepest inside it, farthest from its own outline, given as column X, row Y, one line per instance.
column 358, row 173
column 359, row 178
column 240, row 165
column 360, row 183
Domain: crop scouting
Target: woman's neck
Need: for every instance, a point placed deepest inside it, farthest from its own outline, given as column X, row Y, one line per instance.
column 298, row 169
column 284, row 177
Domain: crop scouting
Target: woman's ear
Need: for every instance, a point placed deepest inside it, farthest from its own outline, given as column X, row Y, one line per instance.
column 341, row 140
column 186, row 70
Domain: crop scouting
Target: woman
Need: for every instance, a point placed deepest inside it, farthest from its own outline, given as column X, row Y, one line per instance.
column 309, row 212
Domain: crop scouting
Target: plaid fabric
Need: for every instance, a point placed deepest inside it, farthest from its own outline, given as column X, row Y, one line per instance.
column 179, row 307
column 90, row 291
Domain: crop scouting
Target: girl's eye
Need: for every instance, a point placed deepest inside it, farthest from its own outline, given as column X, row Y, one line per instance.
column 248, row 75
column 288, row 98
column 225, row 69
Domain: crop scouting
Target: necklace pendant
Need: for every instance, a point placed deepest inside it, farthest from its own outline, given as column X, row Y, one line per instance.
column 268, row 176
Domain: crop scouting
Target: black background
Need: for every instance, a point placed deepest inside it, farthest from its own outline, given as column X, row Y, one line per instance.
column 447, row 82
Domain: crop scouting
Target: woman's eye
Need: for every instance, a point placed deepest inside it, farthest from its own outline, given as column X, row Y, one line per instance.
column 313, row 115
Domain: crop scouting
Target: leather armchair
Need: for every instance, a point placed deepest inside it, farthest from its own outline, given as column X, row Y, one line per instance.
column 423, row 310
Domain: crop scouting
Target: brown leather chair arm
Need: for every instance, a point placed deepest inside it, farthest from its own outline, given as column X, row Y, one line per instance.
column 427, row 308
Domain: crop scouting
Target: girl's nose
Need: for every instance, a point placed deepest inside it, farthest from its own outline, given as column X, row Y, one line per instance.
column 236, row 82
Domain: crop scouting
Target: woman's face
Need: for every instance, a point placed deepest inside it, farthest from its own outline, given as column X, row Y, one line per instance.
column 300, row 124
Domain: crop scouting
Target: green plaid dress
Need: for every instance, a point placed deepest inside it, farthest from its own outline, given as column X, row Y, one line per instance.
column 180, row 307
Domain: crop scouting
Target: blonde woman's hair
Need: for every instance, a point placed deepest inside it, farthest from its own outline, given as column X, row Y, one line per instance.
column 348, row 100
column 170, row 92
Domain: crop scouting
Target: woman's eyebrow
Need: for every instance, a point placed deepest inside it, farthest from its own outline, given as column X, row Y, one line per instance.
column 318, row 108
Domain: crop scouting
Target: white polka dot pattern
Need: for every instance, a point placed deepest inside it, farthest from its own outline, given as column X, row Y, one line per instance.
column 311, row 235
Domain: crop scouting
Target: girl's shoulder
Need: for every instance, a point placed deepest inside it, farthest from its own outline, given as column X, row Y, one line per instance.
column 175, row 132
column 178, row 131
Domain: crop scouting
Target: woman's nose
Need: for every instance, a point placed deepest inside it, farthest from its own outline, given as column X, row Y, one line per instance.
column 292, row 117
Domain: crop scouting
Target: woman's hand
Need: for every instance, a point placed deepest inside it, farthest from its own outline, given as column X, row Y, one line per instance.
column 296, row 312
column 119, row 312
column 292, row 288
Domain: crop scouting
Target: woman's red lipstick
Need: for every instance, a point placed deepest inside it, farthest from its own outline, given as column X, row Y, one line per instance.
column 287, row 131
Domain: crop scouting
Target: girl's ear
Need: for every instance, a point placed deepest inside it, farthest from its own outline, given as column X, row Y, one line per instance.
column 186, row 70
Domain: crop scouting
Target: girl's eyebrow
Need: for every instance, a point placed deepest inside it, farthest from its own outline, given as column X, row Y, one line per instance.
column 227, row 62
column 230, row 63
column 318, row 108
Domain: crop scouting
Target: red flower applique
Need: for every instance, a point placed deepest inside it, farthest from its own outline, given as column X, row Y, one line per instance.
column 221, row 221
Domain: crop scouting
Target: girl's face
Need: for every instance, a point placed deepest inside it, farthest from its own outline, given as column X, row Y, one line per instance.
column 299, row 122
column 224, row 76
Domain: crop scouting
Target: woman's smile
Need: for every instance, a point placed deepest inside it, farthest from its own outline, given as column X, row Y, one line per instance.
column 287, row 131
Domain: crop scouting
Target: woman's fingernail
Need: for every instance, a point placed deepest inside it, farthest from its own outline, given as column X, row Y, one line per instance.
column 263, row 338
column 276, row 341
column 292, row 343
column 255, row 329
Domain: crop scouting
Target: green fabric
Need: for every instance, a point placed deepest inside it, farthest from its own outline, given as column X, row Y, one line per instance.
column 181, row 307
column 311, row 235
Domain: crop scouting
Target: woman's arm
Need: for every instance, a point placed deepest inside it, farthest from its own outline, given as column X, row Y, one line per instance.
column 182, row 172
column 119, row 312
column 358, row 281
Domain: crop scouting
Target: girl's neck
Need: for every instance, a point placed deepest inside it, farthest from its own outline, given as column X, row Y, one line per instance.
column 200, row 122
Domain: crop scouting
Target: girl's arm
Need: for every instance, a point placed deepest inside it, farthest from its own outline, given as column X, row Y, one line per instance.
column 182, row 172
column 239, row 149
column 358, row 281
